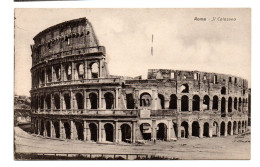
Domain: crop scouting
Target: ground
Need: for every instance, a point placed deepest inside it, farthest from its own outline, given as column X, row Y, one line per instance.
column 230, row 147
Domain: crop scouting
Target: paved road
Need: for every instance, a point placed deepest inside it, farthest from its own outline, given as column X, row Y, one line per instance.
column 230, row 147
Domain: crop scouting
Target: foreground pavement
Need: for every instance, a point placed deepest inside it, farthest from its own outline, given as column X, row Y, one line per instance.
column 230, row 147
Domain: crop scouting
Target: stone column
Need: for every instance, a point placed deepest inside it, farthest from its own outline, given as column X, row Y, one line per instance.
column 211, row 103
column 61, row 102
column 218, row 130
column 45, row 76
column 100, row 68
column 231, row 132
column 201, row 130
column 190, row 104
column 89, row 76
column 226, row 106
column 86, row 69
column 52, row 102
column 45, row 131
column 226, row 126
column 39, row 127
column 85, row 130
column 210, row 129
column 116, row 132
column 62, row 133
column 85, row 99
column 100, row 106
column 201, row 103
column 99, row 131
column 178, row 104
column 72, row 71
column 53, row 135
column 71, row 100
column 154, row 99
column 133, row 131
column 190, row 130
column 117, row 98
column 72, row 130
column 61, row 72
column 219, row 104
column 179, row 130
column 169, row 128
column 136, row 97
column 154, row 130
column 53, row 77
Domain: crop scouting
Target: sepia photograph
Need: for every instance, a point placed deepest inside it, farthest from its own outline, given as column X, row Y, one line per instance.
column 132, row 84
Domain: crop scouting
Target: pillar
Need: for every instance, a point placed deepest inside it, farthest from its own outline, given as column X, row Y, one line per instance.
column 85, row 130
column 201, row 103
column 52, row 102
column 169, row 128
column 53, row 77
column 117, row 98
column 231, row 132
column 72, row 71
column 116, row 132
column 61, row 72
column 190, row 129
column 133, row 131
column 218, row 129
column 226, row 127
column 53, row 135
column 178, row 104
column 226, row 106
column 190, row 103
column 85, row 99
column 201, row 129
column 86, row 69
column 62, row 135
column 71, row 100
column 61, row 102
column 45, row 131
column 154, row 99
column 179, row 130
column 154, row 129
column 210, row 130
column 99, row 131
column 39, row 127
column 72, row 130
column 100, row 99
column 211, row 103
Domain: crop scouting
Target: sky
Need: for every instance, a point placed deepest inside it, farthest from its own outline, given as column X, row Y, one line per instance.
column 179, row 41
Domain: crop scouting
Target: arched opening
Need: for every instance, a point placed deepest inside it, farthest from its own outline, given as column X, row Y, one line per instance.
column 161, row 98
column 49, row 75
column 229, row 128
column 223, row 90
column 130, row 101
column 42, row 128
column 93, row 131
column 80, row 71
column 235, row 127
column 57, row 129
column 206, row 102
column 36, row 127
column 161, row 132
column 206, row 129
column 67, row 130
column 80, row 101
column 126, row 133
column 67, row 100
column 184, row 129
column 215, row 129
column 239, row 105
column 215, row 103
column 94, row 70
column 109, row 132
column 80, row 130
column 195, row 129
column 146, row 131
column 222, row 128
column 229, row 104
column 173, row 102
column 48, row 101
column 93, row 100
column 185, row 88
column 42, row 76
column 57, row 73
column 42, row 102
column 145, row 100
column 109, row 99
column 243, row 126
column 184, row 103
column 57, row 101
column 239, row 127
column 48, row 128
column 196, row 103
column 235, row 103
column 223, row 107
column 68, row 72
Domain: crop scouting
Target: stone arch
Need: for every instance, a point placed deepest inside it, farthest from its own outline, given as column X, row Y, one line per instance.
column 146, row 131
column 173, row 102
column 239, row 104
column 223, row 106
column 67, row 100
column 206, row 101
column 184, row 103
column 42, row 128
column 49, row 74
column 48, row 128
column 57, row 72
column 195, row 128
column 80, row 70
column 93, row 131
column 145, row 100
column 80, row 130
column 67, row 130
column 185, row 129
column 229, row 104
column 57, row 101
column 229, row 128
column 161, row 132
column 94, row 70
column 109, row 132
column 162, row 101
column 196, row 103
column 235, row 103
column 42, row 76
column 235, row 127
column 206, row 129
column 130, row 102
column 222, row 128
column 184, row 88
column 57, row 129
column 68, row 71
column 80, row 100
column 223, row 90
column 109, row 100
column 93, row 100
column 48, row 101
column 215, row 103
column 125, row 133
column 215, row 129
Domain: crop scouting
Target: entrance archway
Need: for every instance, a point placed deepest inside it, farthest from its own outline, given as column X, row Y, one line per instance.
column 126, row 133
column 67, row 130
column 229, row 128
column 42, row 128
column 184, row 103
column 93, row 131
column 57, row 129
column 48, row 128
column 109, row 99
column 195, row 129
column 222, row 128
column 93, row 100
column 215, row 129
column 235, row 127
column 206, row 129
column 109, row 132
column 162, row 131
column 185, row 130
column 80, row 130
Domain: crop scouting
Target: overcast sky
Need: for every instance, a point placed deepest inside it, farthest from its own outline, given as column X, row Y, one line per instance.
column 179, row 43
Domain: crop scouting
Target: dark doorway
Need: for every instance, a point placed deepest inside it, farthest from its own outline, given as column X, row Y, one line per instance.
column 126, row 133
column 48, row 128
column 185, row 125
column 173, row 102
column 79, row 99
column 206, row 129
column 130, row 101
column 80, row 129
column 93, row 100
column 184, row 103
column 57, row 129
column 162, row 132
column 93, row 131
column 67, row 130
column 109, row 99
column 109, row 132
column 223, row 107
column 196, row 103
column 229, row 128
column 229, row 104
column 222, row 128
column 195, row 129
column 215, row 103
column 42, row 128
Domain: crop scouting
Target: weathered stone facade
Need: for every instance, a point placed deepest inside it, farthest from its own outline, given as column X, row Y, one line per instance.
column 74, row 97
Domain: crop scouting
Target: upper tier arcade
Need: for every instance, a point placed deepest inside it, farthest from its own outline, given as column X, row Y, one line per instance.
column 74, row 37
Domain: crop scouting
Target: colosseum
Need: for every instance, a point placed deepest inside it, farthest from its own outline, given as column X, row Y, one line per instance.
column 75, row 98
